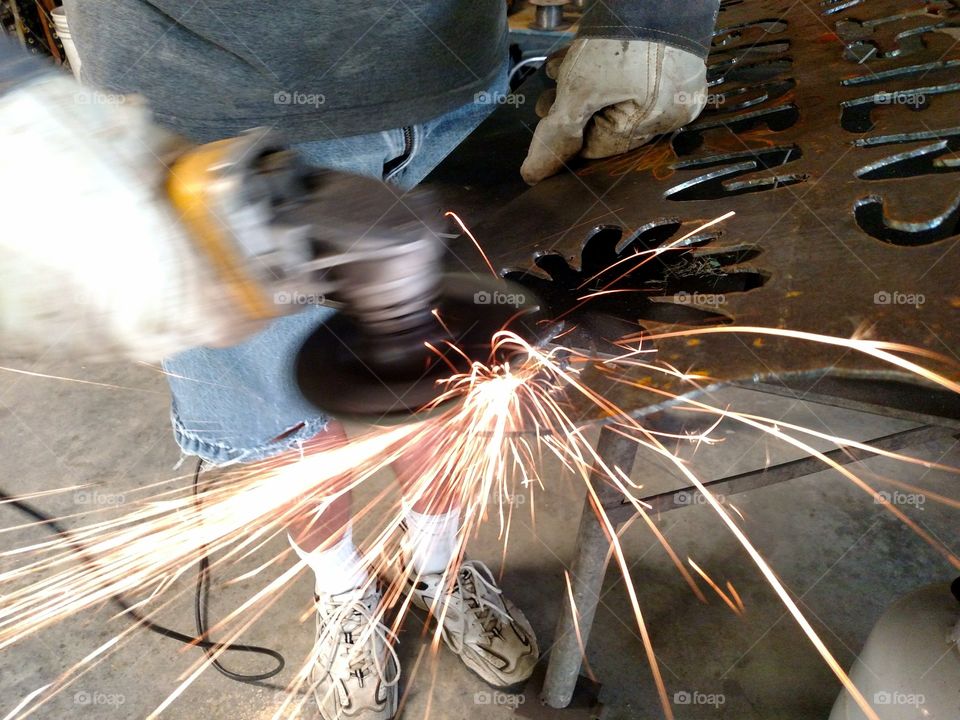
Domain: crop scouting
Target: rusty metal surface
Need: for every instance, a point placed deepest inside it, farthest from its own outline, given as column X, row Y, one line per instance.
column 832, row 131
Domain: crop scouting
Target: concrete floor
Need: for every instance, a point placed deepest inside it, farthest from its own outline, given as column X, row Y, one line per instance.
column 841, row 556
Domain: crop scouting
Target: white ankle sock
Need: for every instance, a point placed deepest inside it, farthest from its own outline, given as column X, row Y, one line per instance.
column 430, row 540
column 338, row 568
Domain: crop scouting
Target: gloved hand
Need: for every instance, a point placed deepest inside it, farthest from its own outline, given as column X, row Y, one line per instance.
column 612, row 96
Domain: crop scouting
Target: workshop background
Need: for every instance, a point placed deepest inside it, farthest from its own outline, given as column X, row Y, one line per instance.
column 842, row 556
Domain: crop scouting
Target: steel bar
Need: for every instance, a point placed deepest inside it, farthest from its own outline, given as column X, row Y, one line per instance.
column 869, row 395
column 764, row 477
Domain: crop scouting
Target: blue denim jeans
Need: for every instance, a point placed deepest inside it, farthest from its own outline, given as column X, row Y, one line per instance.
column 241, row 403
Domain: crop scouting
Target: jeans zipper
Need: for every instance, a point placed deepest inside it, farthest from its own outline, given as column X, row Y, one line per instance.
column 392, row 167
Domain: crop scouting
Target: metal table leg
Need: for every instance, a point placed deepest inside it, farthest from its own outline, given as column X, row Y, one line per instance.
column 586, row 575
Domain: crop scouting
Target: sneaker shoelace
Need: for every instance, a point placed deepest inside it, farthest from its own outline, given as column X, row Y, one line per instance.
column 358, row 630
column 481, row 598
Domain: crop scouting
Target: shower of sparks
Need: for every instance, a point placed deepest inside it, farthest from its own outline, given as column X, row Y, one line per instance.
column 488, row 431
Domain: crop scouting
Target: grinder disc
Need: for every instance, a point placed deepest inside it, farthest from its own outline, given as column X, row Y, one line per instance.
column 349, row 374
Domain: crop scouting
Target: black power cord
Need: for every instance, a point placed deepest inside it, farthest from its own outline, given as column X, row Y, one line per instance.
column 201, row 616
column 201, row 598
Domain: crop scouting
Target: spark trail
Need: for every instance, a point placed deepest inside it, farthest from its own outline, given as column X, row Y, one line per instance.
column 490, row 426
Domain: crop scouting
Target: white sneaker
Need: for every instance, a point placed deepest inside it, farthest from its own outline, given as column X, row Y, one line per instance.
column 488, row 632
column 356, row 670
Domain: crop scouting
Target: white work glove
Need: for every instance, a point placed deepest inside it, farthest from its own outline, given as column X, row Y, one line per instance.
column 94, row 262
column 612, row 96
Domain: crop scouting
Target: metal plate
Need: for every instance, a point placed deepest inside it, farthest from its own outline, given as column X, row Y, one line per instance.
column 832, row 131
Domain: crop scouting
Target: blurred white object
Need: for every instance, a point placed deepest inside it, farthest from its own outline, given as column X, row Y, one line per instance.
column 909, row 668
column 104, row 268
column 59, row 16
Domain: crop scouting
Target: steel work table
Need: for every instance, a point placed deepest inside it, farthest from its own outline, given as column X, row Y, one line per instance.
column 832, row 131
